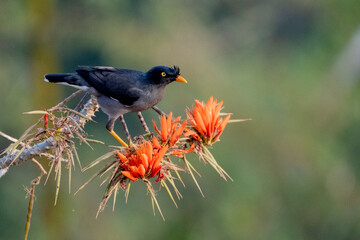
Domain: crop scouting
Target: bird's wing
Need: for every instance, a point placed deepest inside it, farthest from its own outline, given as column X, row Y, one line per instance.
column 119, row 84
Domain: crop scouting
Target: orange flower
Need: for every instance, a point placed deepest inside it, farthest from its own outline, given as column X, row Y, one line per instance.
column 144, row 164
column 170, row 130
column 206, row 121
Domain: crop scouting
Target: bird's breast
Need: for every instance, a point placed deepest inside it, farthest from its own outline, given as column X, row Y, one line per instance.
column 149, row 99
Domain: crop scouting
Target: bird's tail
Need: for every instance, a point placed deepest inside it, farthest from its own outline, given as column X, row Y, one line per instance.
column 71, row 79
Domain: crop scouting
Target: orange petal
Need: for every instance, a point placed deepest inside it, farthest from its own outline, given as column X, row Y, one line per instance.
column 141, row 170
column 155, row 127
column 214, row 103
column 173, row 126
column 134, row 171
column 137, row 160
column 217, row 124
column 209, row 102
column 159, row 156
column 148, row 149
column 223, row 123
column 129, row 175
column 191, row 148
column 133, row 158
column 155, row 171
column 218, row 108
column 144, row 161
column 143, row 146
column 156, row 143
column 198, row 104
column 178, row 133
column 199, row 123
column 122, row 157
column 164, row 127
column 207, row 120
column 138, row 151
column 215, row 117
column 212, row 125
column 177, row 152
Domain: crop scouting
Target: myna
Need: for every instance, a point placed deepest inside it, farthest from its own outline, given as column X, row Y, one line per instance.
column 121, row 91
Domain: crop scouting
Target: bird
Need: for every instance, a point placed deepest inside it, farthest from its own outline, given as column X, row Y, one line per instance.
column 120, row 91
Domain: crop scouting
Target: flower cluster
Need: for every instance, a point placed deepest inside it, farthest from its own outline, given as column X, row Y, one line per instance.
column 170, row 130
column 169, row 134
column 144, row 164
column 206, row 121
column 153, row 156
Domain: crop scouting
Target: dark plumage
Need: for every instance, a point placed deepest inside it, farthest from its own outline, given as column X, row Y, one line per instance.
column 120, row 91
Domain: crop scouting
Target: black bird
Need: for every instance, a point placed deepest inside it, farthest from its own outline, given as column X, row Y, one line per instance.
column 121, row 91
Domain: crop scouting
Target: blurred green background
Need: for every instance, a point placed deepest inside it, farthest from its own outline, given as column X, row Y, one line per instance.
column 291, row 66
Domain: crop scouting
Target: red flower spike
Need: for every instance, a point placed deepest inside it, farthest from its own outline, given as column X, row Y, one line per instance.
column 206, row 121
column 144, row 164
column 170, row 131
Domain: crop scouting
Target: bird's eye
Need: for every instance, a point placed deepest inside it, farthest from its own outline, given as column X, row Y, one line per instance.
column 163, row 74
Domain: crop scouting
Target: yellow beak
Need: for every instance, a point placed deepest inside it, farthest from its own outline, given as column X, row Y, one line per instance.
column 180, row 79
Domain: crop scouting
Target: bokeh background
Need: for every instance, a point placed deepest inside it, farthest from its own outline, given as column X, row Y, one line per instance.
column 291, row 66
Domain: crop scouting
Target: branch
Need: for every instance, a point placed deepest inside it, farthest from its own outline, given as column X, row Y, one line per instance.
column 40, row 149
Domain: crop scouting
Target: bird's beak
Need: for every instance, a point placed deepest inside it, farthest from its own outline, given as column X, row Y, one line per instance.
column 180, row 79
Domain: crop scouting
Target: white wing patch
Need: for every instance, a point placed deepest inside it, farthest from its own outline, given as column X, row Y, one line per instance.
column 84, row 88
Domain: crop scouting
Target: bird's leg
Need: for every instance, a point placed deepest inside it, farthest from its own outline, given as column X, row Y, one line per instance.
column 110, row 128
column 125, row 127
column 159, row 111
column 142, row 120
column 118, row 138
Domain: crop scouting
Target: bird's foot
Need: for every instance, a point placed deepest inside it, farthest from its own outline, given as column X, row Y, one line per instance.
column 131, row 144
column 148, row 135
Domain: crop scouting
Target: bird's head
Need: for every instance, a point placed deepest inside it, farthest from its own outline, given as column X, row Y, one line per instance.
column 163, row 75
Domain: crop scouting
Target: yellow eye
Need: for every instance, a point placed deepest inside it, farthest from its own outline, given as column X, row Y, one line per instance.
column 163, row 74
